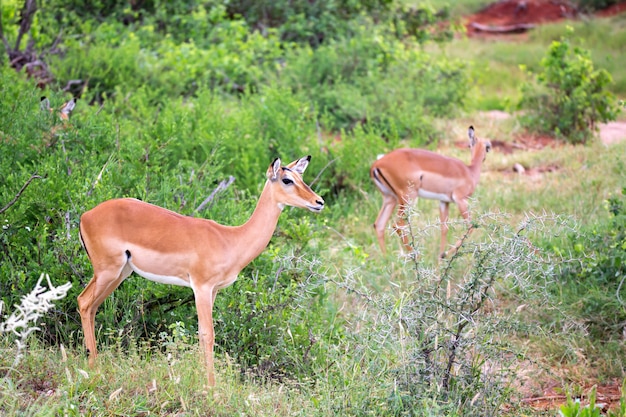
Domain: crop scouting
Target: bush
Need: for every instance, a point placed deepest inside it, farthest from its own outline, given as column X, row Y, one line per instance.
column 594, row 290
column 273, row 318
column 442, row 337
column 232, row 60
column 594, row 5
column 377, row 82
column 569, row 98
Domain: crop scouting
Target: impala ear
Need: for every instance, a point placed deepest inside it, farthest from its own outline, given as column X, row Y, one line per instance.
column 472, row 138
column 272, row 171
column 300, row 165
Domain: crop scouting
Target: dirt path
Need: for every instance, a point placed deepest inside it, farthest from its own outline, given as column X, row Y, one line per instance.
column 612, row 132
column 510, row 17
column 609, row 133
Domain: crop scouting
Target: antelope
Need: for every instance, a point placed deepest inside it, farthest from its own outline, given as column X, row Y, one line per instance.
column 405, row 174
column 122, row 236
column 64, row 111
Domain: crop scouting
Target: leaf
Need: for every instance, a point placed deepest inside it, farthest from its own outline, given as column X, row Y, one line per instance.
column 115, row 394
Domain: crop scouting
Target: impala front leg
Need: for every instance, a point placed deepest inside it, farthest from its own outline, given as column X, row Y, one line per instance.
column 444, row 209
column 464, row 209
column 204, row 305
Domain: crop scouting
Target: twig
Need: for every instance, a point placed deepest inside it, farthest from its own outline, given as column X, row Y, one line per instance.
column 221, row 186
column 320, row 173
column 26, row 19
column 99, row 177
column 19, row 193
column 546, row 398
column 71, row 83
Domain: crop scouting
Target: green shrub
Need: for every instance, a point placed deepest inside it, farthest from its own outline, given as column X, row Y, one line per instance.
column 441, row 337
column 273, row 317
column 593, row 290
column 569, row 98
column 232, row 59
column 371, row 79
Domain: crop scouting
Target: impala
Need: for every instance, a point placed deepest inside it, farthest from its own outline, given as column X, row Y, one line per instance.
column 405, row 174
column 125, row 235
column 64, row 111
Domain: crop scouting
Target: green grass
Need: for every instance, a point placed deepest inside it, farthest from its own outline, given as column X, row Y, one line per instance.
column 140, row 383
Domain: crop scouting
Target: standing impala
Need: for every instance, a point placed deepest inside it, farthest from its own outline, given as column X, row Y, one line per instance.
column 405, row 174
column 122, row 236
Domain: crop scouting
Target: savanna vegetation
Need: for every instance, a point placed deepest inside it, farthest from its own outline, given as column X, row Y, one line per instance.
column 185, row 104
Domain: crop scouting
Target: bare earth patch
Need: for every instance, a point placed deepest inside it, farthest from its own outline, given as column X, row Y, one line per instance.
column 612, row 132
column 510, row 17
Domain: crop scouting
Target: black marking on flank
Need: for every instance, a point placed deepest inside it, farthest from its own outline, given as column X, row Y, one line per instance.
column 82, row 241
column 380, row 177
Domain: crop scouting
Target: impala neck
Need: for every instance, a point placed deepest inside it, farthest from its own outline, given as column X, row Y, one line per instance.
column 478, row 156
column 254, row 235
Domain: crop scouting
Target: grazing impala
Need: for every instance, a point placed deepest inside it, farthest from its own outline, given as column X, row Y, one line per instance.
column 122, row 236
column 64, row 111
column 405, row 174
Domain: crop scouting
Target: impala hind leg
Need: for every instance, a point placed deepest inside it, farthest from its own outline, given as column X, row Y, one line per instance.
column 205, row 298
column 99, row 288
column 389, row 203
column 464, row 209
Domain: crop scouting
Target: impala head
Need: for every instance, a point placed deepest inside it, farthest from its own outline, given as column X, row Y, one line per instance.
column 44, row 104
column 288, row 187
column 477, row 145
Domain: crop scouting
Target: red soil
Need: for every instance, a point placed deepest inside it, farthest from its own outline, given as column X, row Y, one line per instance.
column 522, row 14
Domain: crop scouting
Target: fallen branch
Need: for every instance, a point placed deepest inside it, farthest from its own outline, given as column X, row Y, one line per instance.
column 519, row 28
column 72, row 83
column 19, row 193
column 221, row 187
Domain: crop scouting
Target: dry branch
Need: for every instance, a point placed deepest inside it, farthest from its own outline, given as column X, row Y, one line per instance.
column 222, row 186
column 19, row 193
column 518, row 28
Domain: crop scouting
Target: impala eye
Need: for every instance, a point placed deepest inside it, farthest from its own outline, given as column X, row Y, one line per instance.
column 287, row 181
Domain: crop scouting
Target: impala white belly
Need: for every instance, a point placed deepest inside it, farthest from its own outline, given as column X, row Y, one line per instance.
column 434, row 196
column 162, row 279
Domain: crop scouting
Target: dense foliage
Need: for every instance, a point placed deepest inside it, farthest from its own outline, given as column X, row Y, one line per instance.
column 569, row 97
